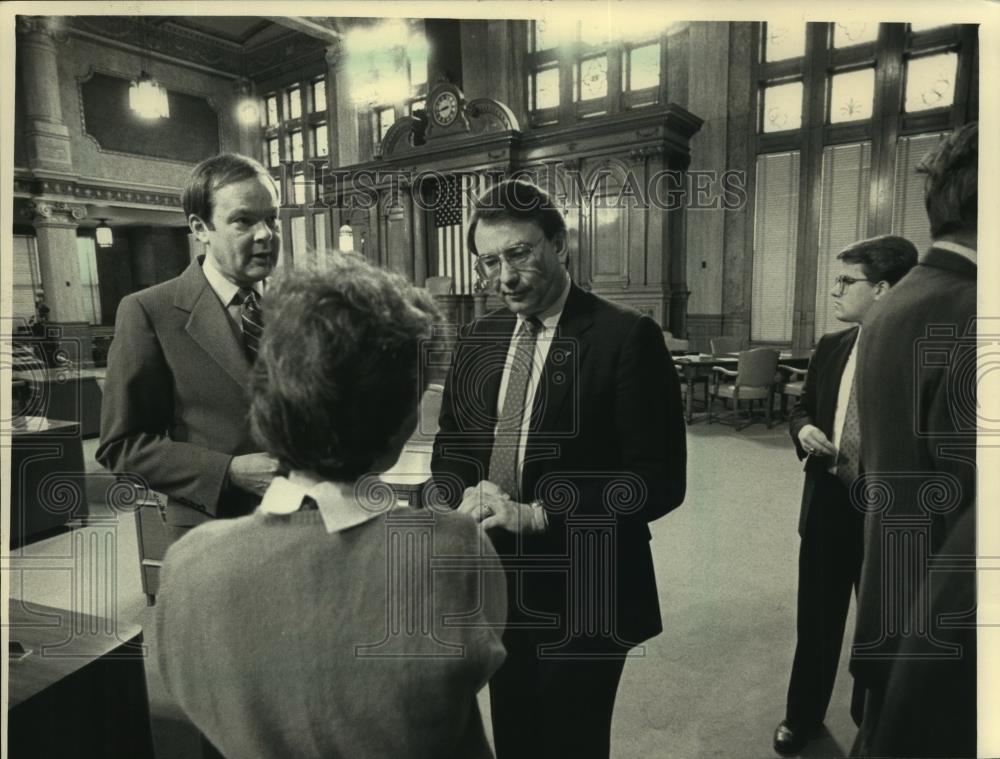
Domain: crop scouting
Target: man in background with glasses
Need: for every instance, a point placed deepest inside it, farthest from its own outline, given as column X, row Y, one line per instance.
column 561, row 430
column 824, row 427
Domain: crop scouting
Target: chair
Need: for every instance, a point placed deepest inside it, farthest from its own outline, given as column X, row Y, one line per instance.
column 723, row 345
column 752, row 381
column 675, row 344
column 791, row 387
column 440, row 285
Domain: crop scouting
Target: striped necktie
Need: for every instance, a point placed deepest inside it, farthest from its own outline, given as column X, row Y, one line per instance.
column 503, row 460
column 849, row 448
column 252, row 321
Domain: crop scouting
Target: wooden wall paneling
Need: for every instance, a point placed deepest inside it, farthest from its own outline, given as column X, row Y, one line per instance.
column 886, row 126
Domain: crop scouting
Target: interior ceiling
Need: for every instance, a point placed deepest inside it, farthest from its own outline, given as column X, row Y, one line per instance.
column 240, row 30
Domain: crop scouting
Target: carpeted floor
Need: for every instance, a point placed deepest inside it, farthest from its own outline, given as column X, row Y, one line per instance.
column 712, row 685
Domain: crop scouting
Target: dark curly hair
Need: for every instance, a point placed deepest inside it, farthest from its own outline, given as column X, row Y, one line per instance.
column 337, row 374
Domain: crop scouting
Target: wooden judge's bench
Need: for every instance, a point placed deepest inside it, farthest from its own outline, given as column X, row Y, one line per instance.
column 618, row 176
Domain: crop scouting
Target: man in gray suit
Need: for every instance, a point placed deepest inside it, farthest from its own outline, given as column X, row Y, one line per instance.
column 175, row 399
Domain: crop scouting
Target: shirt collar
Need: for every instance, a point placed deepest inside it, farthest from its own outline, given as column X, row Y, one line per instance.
column 954, row 247
column 342, row 505
column 225, row 289
column 550, row 317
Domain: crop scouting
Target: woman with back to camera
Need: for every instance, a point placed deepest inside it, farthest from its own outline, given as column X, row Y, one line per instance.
column 331, row 626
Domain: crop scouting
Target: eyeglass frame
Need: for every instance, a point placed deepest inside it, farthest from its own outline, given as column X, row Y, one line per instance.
column 842, row 281
column 504, row 256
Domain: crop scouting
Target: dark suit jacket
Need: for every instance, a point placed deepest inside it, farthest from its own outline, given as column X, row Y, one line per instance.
column 607, row 440
column 176, row 398
column 916, row 400
column 818, row 405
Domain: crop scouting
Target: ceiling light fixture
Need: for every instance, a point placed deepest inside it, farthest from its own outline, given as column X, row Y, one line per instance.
column 103, row 235
column 146, row 96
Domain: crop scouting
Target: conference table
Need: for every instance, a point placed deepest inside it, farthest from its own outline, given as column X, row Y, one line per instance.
column 697, row 367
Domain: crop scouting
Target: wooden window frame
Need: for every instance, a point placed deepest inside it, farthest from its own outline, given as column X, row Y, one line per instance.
column 887, row 55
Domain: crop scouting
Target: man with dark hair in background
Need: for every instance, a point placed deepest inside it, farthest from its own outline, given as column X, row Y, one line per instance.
column 176, row 395
column 824, row 429
column 561, row 432
column 915, row 642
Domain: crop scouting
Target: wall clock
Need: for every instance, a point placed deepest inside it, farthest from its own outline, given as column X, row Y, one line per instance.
column 444, row 109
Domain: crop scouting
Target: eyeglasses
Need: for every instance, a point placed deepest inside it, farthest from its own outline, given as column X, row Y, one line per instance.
column 841, row 282
column 517, row 257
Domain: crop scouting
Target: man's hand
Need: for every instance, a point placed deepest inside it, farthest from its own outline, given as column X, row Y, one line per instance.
column 814, row 442
column 253, row 471
column 493, row 508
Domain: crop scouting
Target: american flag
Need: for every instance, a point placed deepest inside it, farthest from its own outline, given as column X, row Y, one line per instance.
column 452, row 207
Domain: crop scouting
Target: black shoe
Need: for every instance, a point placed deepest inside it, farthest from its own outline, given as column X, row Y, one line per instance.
column 789, row 740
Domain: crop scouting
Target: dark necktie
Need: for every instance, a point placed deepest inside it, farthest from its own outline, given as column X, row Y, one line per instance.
column 252, row 321
column 503, row 461
column 849, row 450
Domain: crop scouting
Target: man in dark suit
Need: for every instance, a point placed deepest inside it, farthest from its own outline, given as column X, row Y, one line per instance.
column 822, row 425
column 561, row 430
column 175, row 398
column 914, row 650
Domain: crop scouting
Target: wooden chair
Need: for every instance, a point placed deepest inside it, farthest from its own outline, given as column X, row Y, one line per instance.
column 791, row 387
column 723, row 345
column 675, row 344
column 752, row 381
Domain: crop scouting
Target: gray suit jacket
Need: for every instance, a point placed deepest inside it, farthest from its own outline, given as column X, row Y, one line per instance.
column 176, row 398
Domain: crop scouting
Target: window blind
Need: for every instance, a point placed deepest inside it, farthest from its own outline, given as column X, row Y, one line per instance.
column 845, row 187
column 909, row 216
column 774, row 241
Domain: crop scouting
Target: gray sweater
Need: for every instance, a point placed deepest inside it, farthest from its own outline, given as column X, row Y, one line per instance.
column 279, row 639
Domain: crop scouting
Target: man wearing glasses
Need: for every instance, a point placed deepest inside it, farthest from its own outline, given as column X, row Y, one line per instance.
column 824, row 428
column 561, row 433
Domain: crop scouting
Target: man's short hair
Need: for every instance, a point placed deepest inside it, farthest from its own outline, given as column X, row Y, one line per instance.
column 213, row 174
column 520, row 200
column 337, row 373
column 886, row 257
column 951, row 185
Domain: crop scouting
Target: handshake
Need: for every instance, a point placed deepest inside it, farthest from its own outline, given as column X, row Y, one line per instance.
column 492, row 508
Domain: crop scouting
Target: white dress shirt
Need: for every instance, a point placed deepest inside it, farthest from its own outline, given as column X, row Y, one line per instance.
column 226, row 291
column 550, row 319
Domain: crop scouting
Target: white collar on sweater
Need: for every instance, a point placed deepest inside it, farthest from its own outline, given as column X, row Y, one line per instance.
column 342, row 505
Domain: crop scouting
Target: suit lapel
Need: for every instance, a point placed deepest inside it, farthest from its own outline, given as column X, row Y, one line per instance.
column 563, row 362
column 209, row 325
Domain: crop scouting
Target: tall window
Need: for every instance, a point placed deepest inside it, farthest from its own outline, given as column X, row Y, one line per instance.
column 295, row 129
column 579, row 69
column 859, row 103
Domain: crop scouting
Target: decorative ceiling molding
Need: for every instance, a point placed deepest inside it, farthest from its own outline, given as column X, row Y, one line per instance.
column 86, row 191
column 168, row 39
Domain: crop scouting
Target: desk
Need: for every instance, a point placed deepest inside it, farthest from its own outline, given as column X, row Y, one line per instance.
column 81, row 692
column 47, row 487
column 698, row 368
column 72, row 393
